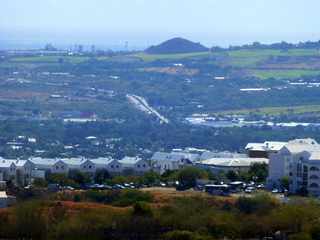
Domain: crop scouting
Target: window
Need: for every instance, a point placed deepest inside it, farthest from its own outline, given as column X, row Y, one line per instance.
column 314, row 177
column 112, row 166
column 314, row 185
column 314, row 169
column 90, row 166
column 144, row 165
column 138, row 165
column 117, row 166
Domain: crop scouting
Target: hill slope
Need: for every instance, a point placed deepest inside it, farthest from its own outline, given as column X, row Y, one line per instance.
column 176, row 45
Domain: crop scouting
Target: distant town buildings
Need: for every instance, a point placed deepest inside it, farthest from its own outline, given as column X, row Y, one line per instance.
column 296, row 161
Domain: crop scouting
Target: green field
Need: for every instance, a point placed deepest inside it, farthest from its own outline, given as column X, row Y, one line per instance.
column 153, row 57
column 49, row 59
column 275, row 110
column 284, row 74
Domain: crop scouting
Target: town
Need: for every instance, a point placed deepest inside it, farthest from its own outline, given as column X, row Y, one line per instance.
column 292, row 168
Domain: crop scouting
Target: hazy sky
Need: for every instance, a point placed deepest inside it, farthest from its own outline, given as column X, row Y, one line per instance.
column 144, row 22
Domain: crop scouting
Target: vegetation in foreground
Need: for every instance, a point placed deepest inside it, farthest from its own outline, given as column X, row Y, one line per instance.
column 183, row 216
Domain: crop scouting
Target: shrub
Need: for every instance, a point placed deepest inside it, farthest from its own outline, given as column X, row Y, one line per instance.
column 129, row 197
column 259, row 204
column 142, row 209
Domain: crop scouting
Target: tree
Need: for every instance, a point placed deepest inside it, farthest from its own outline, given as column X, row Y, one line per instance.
column 188, row 176
column 40, row 182
column 232, row 175
column 79, row 177
column 284, row 181
column 101, row 176
column 151, row 178
column 259, row 171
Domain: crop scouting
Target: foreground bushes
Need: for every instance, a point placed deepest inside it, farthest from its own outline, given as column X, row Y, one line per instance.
column 181, row 218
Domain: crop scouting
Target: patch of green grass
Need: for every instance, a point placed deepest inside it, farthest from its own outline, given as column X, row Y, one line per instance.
column 153, row 57
column 273, row 52
column 252, row 57
column 275, row 110
column 50, row 59
column 283, row 74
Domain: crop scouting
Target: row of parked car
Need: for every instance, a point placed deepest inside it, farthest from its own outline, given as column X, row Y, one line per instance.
column 131, row 185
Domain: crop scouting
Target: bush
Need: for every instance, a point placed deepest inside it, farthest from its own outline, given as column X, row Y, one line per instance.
column 142, row 209
column 102, row 196
column 129, row 197
column 189, row 175
column 258, row 204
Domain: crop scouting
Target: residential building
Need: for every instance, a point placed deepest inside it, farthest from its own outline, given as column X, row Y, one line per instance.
column 297, row 160
column 81, row 164
column 109, row 164
column 7, row 170
column 134, row 164
column 175, row 160
column 225, row 164
column 49, row 165
column 24, row 170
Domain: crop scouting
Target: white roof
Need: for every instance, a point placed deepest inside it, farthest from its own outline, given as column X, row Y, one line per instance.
column 275, row 146
column 208, row 155
column 233, row 162
column 315, row 156
column 301, row 145
column 175, row 156
column 18, row 162
column 75, row 162
column 44, row 162
column 130, row 160
column 255, row 146
column 102, row 161
column 266, row 146
column 5, row 163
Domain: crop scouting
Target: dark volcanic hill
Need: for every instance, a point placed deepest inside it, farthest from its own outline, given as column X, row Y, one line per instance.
column 176, row 45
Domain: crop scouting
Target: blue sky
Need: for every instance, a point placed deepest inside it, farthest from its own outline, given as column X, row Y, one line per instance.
column 144, row 22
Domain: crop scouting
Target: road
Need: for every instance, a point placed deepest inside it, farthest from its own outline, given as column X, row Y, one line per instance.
column 143, row 105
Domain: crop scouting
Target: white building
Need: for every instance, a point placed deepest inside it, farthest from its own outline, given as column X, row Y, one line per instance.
column 135, row 164
column 24, row 170
column 225, row 164
column 175, row 160
column 49, row 165
column 7, row 170
column 81, row 164
column 109, row 164
column 298, row 160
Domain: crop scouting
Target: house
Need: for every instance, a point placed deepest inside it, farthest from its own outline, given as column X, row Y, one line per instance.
column 224, row 164
column 297, row 160
column 135, row 164
column 24, row 171
column 50, row 165
column 81, row 164
column 110, row 164
column 8, row 170
column 163, row 161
